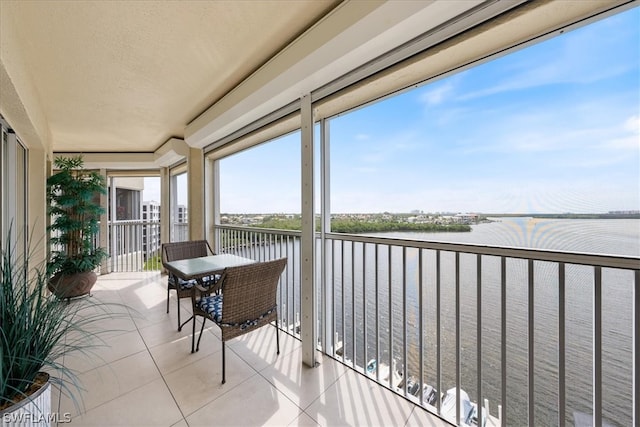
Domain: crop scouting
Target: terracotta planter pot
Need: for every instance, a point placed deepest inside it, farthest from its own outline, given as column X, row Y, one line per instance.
column 74, row 285
column 33, row 410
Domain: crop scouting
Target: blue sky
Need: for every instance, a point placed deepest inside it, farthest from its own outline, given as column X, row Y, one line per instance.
column 551, row 128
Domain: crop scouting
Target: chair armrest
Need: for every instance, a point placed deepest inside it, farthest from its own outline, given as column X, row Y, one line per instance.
column 198, row 290
column 201, row 289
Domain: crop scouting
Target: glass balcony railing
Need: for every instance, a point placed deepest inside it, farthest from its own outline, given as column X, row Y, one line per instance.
column 507, row 336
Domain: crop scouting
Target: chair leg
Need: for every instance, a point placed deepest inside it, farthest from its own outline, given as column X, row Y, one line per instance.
column 178, row 300
column 277, row 337
column 223, row 378
column 193, row 335
column 168, row 298
column 204, row 319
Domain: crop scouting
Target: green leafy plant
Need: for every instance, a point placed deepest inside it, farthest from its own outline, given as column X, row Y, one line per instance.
column 75, row 213
column 38, row 330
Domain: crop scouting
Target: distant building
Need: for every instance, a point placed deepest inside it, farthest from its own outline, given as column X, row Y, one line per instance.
column 183, row 214
column 466, row 218
column 151, row 228
column 180, row 224
column 125, row 206
column 128, row 192
column 151, row 211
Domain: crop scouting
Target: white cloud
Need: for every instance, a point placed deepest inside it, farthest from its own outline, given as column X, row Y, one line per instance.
column 626, row 143
column 438, row 93
column 625, row 137
column 632, row 124
column 565, row 61
column 367, row 170
column 385, row 148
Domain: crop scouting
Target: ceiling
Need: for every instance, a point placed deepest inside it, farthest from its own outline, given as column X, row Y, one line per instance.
column 144, row 77
column 128, row 75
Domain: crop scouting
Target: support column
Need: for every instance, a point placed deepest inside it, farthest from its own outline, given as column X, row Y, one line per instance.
column 39, row 169
column 165, row 206
column 195, row 188
column 326, row 314
column 212, row 201
column 104, row 224
column 308, row 326
column 36, row 218
column 113, row 251
column 15, row 224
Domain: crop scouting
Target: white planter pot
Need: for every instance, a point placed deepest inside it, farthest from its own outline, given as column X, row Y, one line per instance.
column 34, row 411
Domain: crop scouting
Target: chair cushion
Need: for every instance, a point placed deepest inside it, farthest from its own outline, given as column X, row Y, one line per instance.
column 183, row 284
column 211, row 305
column 188, row 284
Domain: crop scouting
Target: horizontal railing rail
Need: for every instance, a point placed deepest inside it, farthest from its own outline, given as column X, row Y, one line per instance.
column 480, row 335
column 578, row 258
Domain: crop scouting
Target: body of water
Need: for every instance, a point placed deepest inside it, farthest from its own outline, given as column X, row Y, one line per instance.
column 612, row 237
column 603, row 236
column 367, row 310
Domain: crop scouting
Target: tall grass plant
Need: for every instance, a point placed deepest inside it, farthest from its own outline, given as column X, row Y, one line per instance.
column 38, row 330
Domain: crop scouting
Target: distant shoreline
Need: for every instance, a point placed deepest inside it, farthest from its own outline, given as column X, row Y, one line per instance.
column 614, row 215
column 568, row 216
column 356, row 227
column 393, row 222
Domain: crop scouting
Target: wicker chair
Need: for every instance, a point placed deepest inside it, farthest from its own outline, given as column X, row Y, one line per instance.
column 182, row 250
column 249, row 295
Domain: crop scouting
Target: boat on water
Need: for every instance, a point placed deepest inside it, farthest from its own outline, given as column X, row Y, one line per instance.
column 387, row 374
column 468, row 409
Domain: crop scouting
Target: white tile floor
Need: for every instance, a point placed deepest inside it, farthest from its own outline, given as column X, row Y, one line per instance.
column 145, row 375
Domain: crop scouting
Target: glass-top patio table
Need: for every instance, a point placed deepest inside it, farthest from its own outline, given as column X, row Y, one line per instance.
column 197, row 268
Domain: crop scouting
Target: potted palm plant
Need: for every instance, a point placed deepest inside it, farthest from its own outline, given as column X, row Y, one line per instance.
column 73, row 203
column 38, row 330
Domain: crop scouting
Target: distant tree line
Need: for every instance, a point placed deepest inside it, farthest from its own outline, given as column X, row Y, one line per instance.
column 352, row 226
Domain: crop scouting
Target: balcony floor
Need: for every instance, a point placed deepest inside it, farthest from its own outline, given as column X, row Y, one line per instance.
column 145, row 375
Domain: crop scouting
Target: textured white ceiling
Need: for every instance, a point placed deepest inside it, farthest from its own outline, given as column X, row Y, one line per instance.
column 129, row 75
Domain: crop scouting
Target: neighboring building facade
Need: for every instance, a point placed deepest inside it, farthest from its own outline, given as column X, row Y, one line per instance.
column 181, row 224
column 183, row 214
column 151, row 242
column 128, row 198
